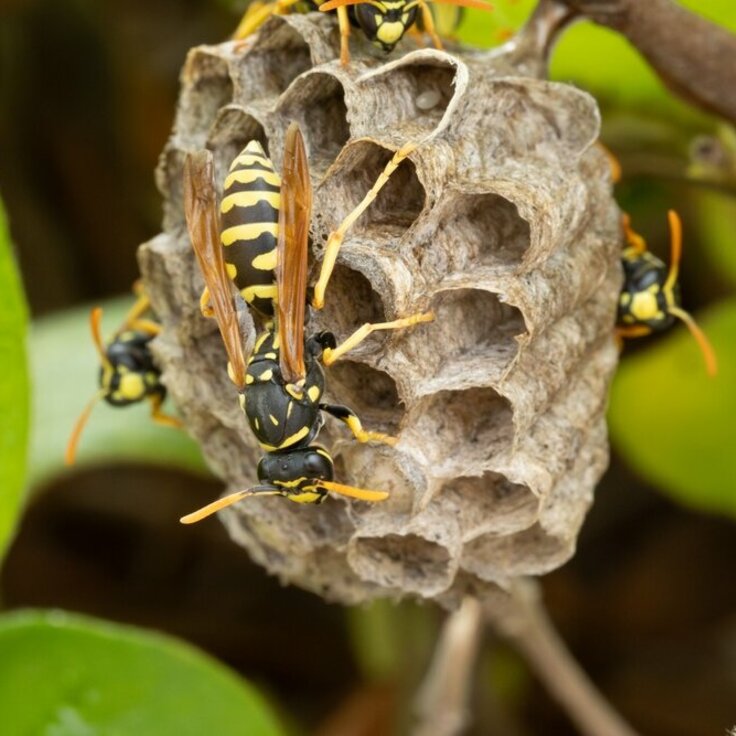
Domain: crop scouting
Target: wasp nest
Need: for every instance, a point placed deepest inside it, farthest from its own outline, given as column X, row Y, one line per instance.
column 502, row 222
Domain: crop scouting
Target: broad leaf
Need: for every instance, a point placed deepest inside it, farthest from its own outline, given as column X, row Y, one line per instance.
column 14, row 389
column 672, row 423
column 67, row 675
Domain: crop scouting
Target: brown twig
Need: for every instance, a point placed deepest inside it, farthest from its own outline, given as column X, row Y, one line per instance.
column 692, row 55
column 442, row 702
column 526, row 624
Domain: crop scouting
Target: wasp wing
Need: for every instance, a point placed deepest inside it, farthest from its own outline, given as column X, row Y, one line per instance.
column 203, row 223
column 291, row 261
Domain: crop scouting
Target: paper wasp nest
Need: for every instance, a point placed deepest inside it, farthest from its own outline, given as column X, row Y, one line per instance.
column 502, row 222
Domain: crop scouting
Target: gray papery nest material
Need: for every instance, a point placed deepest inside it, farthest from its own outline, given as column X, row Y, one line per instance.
column 502, row 222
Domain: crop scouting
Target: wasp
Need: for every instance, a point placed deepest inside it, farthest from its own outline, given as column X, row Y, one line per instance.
column 128, row 373
column 281, row 386
column 384, row 22
column 650, row 297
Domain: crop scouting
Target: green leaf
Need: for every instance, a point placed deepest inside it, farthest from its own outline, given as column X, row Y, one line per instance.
column 14, row 389
column 65, row 367
column 672, row 423
column 715, row 215
column 68, row 675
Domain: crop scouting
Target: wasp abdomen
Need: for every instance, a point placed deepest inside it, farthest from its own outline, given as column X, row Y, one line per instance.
column 250, row 220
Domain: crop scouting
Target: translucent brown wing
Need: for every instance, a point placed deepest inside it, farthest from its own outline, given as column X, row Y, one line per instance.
column 203, row 223
column 291, row 262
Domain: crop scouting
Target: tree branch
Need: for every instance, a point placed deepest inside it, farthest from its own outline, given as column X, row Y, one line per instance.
column 526, row 624
column 693, row 56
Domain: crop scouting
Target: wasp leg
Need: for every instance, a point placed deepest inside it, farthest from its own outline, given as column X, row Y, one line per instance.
column 613, row 163
column 334, row 243
column 204, row 304
column 140, row 307
column 633, row 239
column 343, row 23
column 145, row 325
column 159, row 417
column 428, row 22
column 633, row 331
column 331, row 355
column 257, row 14
column 346, row 415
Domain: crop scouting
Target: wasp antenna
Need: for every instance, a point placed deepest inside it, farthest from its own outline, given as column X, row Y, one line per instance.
column 711, row 362
column 334, row 4
column 223, row 503
column 70, row 453
column 360, row 493
column 676, row 249
column 95, row 317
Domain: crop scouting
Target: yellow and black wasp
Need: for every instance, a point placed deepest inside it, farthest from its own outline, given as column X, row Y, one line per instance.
column 282, row 384
column 650, row 297
column 384, row 22
column 128, row 373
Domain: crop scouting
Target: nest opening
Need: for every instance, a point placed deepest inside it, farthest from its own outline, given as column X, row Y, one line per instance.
column 408, row 562
column 276, row 59
column 469, row 427
column 427, row 88
column 397, row 205
column 529, row 552
column 490, row 503
column 210, row 88
column 478, row 230
column 350, row 302
column 317, row 102
column 230, row 133
column 369, row 392
column 486, row 329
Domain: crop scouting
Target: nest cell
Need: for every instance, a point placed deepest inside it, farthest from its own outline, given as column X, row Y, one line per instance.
column 317, row 102
column 207, row 88
column 370, row 392
column 231, row 131
column 407, row 562
column 467, row 427
column 276, row 59
column 489, row 504
column 398, row 204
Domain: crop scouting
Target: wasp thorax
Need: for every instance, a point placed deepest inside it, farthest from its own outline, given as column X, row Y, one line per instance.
column 501, row 222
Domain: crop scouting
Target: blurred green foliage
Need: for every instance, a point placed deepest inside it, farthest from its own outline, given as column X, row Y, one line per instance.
column 63, row 341
column 14, row 388
column 672, row 423
column 67, row 675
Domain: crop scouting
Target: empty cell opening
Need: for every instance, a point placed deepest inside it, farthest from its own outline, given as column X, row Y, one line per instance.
column 469, row 427
column 350, row 302
column 230, row 133
column 484, row 328
column 490, row 503
column 317, row 102
column 369, row 392
column 408, row 562
column 478, row 230
column 398, row 204
column 210, row 89
column 277, row 58
column 529, row 552
column 427, row 90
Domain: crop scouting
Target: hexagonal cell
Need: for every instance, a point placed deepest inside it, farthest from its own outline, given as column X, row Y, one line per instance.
column 408, row 562
column 370, row 393
column 469, row 427
column 356, row 304
column 317, row 103
column 207, row 87
column 529, row 552
column 230, row 133
column 422, row 91
column 475, row 230
column 276, row 59
column 398, row 204
column 487, row 504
